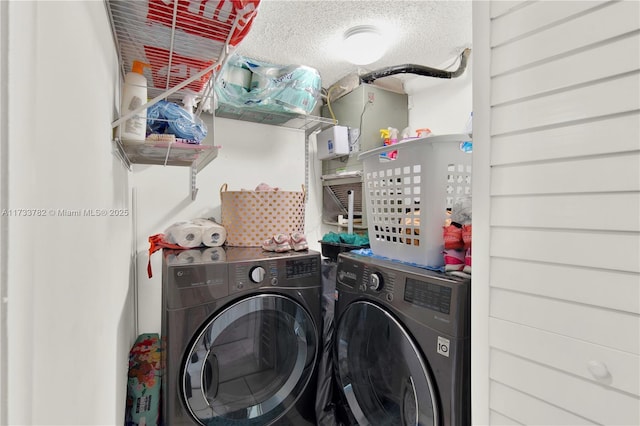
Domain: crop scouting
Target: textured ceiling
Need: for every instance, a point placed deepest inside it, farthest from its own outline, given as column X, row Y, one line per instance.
column 295, row 32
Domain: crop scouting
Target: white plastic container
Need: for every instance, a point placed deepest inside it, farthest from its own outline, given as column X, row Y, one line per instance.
column 407, row 198
column 333, row 142
column 134, row 94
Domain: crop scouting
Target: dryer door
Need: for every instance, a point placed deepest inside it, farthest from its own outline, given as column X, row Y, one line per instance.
column 381, row 371
column 250, row 362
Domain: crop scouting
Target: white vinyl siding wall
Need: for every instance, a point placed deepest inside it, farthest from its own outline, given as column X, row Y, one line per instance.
column 564, row 217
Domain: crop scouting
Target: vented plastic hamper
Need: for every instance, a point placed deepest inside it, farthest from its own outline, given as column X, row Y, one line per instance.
column 407, row 198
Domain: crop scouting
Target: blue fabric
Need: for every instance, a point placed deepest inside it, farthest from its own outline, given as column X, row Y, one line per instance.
column 169, row 117
column 367, row 252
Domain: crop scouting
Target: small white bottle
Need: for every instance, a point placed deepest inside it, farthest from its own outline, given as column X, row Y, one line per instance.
column 134, row 94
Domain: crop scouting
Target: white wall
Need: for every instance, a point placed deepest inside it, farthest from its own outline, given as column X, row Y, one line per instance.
column 70, row 321
column 251, row 154
column 442, row 105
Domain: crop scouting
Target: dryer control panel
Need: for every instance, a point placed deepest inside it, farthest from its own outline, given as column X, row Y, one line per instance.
column 291, row 271
column 204, row 274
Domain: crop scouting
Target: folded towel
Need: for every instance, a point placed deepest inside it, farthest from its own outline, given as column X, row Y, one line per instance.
column 344, row 238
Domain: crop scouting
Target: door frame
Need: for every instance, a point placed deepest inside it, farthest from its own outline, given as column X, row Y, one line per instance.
column 4, row 219
column 481, row 189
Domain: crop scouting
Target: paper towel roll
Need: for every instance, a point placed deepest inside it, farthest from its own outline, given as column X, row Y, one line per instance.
column 184, row 234
column 213, row 234
column 214, row 254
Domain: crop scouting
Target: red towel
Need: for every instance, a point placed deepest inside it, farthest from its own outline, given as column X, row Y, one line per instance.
column 156, row 242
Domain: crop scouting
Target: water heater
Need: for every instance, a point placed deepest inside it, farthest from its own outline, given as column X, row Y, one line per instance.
column 368, row 108
column 365, row 110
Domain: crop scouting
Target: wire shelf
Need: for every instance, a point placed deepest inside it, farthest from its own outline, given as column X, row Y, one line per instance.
column 257, row 115
column 185, row 44
column 178, row 41
column 167, row 154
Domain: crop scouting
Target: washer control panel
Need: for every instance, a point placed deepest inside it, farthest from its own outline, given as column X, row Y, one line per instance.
column 428, row 295
column 367, row 279
column 376, row 282
column 435, row 299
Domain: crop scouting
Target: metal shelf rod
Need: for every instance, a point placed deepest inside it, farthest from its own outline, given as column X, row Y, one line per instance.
column 194, row 190
column 173, row 36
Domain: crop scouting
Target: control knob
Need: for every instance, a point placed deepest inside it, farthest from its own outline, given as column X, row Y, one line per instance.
column 375, row 281
column 257, row 274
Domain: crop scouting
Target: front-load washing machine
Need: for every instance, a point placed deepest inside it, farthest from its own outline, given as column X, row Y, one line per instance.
column 240, row 331
column 402, row 349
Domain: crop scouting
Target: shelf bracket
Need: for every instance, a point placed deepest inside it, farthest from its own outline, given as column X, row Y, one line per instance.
column 194, row 190
column 119, row 151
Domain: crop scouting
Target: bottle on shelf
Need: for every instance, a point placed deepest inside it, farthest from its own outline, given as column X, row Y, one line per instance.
column 134, row 94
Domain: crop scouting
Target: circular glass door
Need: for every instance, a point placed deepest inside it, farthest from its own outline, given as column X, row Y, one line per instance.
column 250, row 363
column 381, row 371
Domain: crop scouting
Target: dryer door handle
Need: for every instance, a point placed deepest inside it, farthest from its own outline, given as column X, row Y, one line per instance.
column 209, row 377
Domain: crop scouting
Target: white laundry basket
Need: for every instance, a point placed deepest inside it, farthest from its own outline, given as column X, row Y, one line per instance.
column 407, row 198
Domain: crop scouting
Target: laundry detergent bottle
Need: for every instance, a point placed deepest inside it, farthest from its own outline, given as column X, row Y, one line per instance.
column 134, row 94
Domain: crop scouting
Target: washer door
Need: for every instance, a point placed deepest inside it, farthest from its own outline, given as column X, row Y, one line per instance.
column 381, row 371
column 250, row 363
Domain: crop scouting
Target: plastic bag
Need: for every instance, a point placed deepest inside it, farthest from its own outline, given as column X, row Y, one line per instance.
column 249, row 83
column 168, row 117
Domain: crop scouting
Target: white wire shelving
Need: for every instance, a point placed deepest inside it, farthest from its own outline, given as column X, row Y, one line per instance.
column 185, row 43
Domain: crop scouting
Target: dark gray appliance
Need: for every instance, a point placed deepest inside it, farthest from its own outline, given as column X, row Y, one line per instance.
column 241, row 339
column 402, row 344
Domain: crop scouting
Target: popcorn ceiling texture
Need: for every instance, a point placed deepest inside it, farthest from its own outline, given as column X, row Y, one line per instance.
column 287, row 32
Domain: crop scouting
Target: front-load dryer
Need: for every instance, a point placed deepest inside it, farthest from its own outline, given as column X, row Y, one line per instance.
column 240, row 336
column 402, row 344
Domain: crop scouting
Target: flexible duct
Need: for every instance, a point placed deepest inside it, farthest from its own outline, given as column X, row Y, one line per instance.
column 418, row 69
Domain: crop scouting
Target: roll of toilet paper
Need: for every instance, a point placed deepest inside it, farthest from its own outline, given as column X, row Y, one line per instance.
column 213, row 234
column 189, row 256
column 259, row 81
column 238, row 77
column 214, row 254
column 184, row 234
